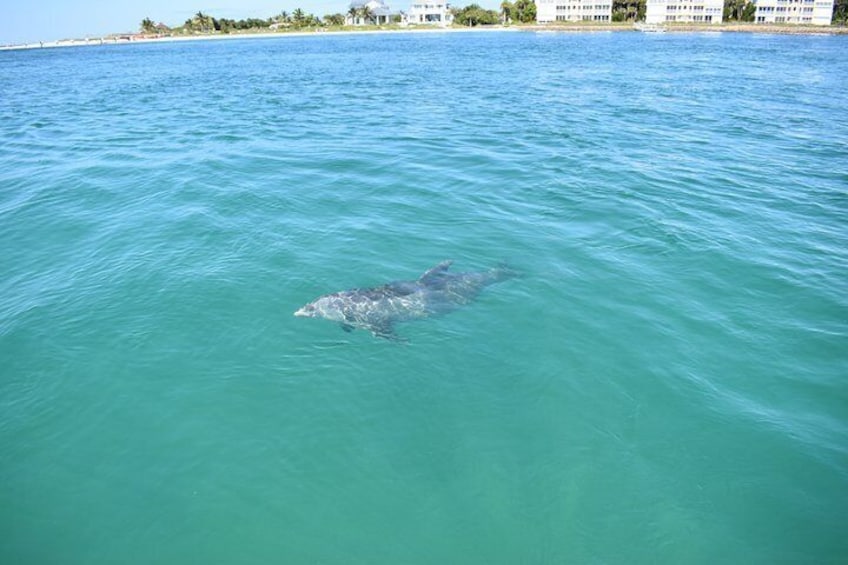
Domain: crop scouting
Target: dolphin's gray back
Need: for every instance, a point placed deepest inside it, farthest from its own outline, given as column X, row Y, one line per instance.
column 456, row 289
column 436, row 292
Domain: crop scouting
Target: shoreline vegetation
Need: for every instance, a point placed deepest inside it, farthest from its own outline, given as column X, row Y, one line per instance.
column 561, row 27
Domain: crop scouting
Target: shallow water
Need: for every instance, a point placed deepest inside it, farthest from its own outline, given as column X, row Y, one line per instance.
column 665, row 382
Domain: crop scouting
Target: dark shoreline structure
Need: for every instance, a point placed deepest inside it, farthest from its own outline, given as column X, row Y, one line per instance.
column 576, row 27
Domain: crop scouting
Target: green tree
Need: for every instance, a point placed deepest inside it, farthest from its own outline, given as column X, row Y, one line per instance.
column 506, row 11
column 739, row 11
column 224, row 25
column 840, row 12
column 473, row 15
column 335, row 19
column 628, row 10
column 202, row 22
column 525, row 11
column 729, row 10
column 366, row 14
column 147, row 26
column 298, row 17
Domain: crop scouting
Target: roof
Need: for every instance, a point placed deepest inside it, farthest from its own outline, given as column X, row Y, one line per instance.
column 376, row 6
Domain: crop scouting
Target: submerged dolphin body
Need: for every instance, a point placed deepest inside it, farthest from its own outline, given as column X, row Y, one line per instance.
column 377, row 309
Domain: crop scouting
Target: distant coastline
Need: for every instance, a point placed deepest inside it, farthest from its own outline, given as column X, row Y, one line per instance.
column 578, row 27
column 131, row 38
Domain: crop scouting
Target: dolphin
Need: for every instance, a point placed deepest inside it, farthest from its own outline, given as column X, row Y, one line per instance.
column 377, row 309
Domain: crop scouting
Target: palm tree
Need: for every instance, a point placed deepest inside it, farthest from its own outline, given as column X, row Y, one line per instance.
column 506, row 10
column 202, row 21
column 628, row 10
column 524, row 10
column 366, row 14
column 739, row 10
column 147, row 26
column 298, row 17
column 840, row 12
column 334, row 19
column 729, row 10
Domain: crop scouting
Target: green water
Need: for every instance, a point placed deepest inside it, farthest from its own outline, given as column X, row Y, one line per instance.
column 664, row 383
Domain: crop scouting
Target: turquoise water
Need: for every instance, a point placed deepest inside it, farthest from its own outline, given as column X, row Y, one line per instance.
column 665, row 382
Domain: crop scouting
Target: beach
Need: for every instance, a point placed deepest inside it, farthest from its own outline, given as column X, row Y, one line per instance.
column 126, row 39
column 576, row 27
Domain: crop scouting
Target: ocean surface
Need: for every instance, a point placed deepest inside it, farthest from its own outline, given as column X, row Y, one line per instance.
column 665, row 382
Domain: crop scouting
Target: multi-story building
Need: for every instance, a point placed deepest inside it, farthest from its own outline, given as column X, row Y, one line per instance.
column 813, row 12
column 550, row 11
column 438, row 13
column 687, row 11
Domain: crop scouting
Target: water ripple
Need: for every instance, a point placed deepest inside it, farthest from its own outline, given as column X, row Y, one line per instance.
column 671, row 359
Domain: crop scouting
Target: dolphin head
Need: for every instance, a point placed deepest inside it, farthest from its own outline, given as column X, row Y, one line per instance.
column 308, row 311
column 330, row 307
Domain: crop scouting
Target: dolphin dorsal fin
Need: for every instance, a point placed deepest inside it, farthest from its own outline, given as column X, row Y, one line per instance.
column 435, row 273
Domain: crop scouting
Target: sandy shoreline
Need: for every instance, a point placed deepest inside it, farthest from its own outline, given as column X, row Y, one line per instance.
column 127, row 39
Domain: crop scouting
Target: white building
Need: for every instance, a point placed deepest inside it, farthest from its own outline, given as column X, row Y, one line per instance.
column 437, row 13
column 550, row 11
column 813, row 12
column 687, row 11
column 370, row 12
